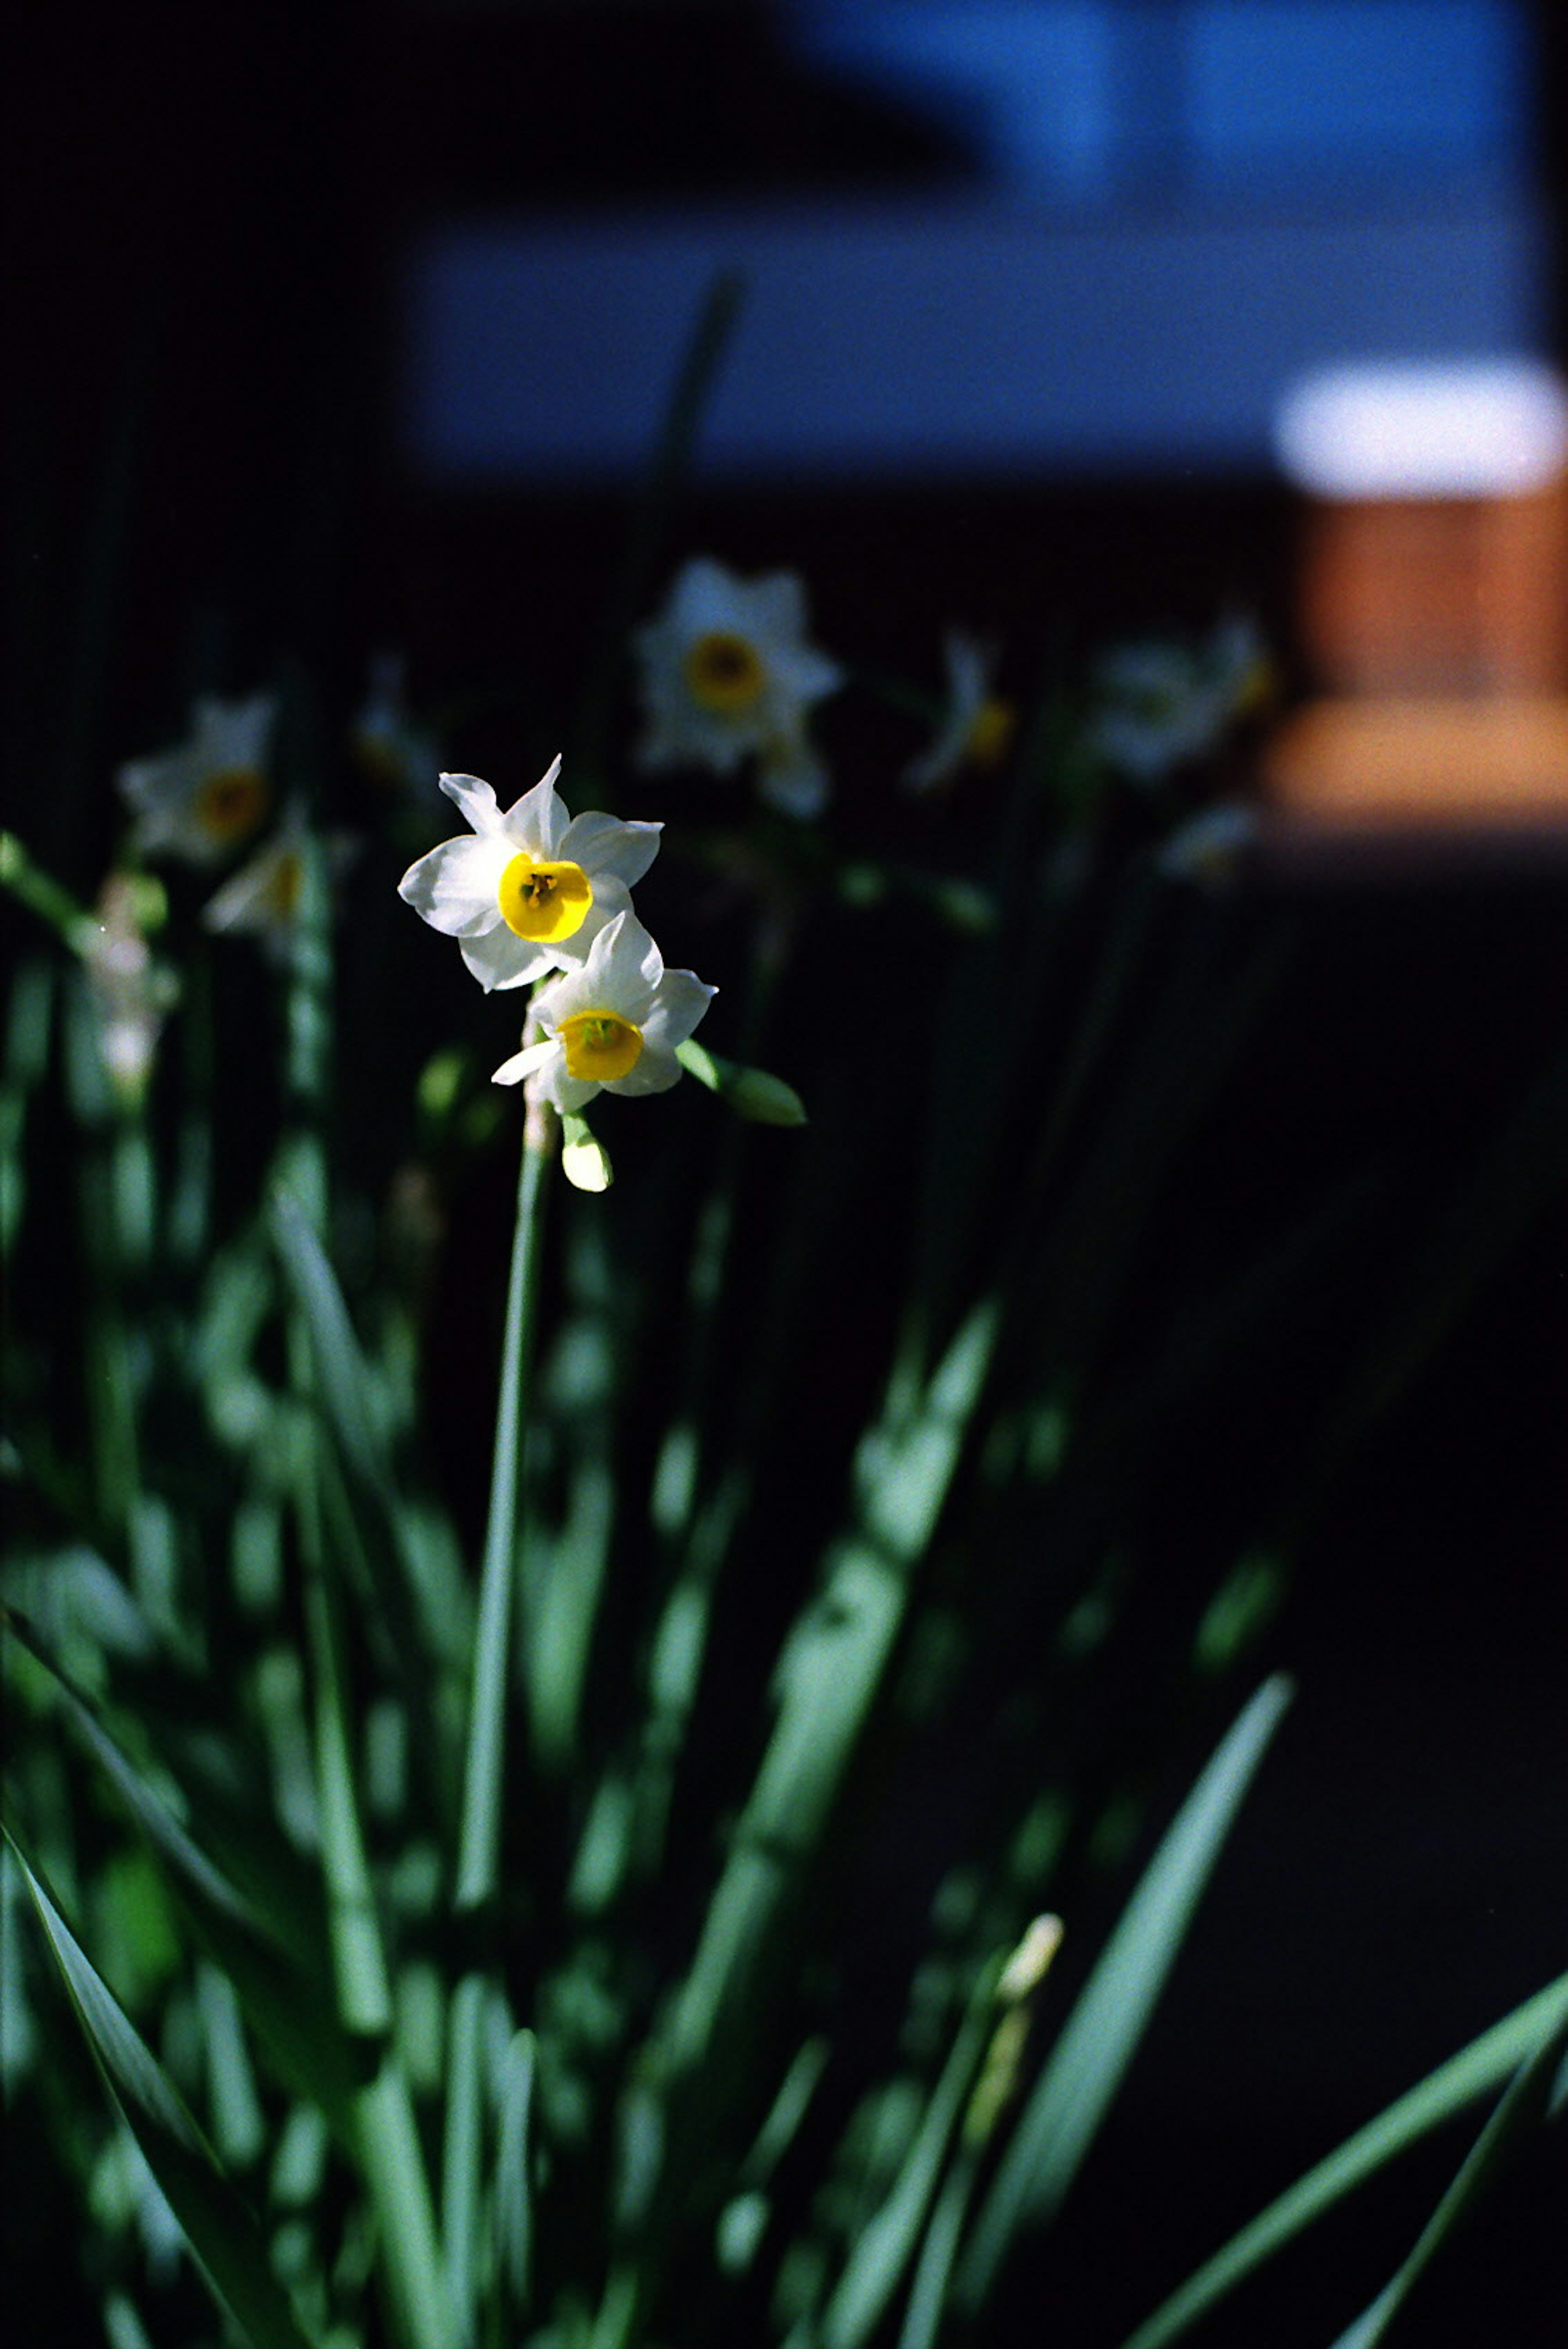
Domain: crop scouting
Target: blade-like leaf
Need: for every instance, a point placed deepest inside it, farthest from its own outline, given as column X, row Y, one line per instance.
column 291, row 2015
column 1481, row 2066
column 218, row 2227
column 513, row 2192
column 827, row 1680
column 421, row 1613
column 1520, row 2112
column 1100, row 2036
column 886, row 2243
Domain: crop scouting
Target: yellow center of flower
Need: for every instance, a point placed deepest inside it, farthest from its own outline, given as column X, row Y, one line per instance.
column 543, row 903
column 1255, row 687
column 281, row 895
column 992, row 732
column 230, row 805
column 600, row 1046
column 725, row 673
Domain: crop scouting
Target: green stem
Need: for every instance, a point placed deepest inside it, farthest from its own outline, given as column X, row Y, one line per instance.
column 42, row 894
column 480, row 1842
column 479, row 1847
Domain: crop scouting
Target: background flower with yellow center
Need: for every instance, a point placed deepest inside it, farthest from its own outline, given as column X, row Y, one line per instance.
column 727, row 673
column 975, row 727
column 528, row 889
column 262, row 899
column 209, row 795
column 611, row 1023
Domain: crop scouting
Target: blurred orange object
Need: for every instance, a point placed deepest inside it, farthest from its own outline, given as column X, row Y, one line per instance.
column 1433, row 597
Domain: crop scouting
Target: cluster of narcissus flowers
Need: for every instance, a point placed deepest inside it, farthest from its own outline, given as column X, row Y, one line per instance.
column 1162, row 705
column 727, row 675
column 211, row 796
column 532, row 894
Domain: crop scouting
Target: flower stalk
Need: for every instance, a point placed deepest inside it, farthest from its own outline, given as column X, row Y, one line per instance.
column 480, row 1841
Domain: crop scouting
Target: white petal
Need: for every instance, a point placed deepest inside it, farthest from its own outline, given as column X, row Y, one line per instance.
column 476, row 800
column 682, row 1000
column 794, row 780
column 158, row 789
column 776, row 605
column 234, row 733
column 603, row 844
column 499, row 958
column 563, row 1090
column 523, row 1063
column 537, row 820
column 454, row 887
column 656, row 1069
column 800, row 674
column 625, row 961
column 705, row 596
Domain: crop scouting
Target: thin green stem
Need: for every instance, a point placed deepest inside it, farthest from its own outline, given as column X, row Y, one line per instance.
column 479, row 1847
column 42, row 894
column 479, row 1840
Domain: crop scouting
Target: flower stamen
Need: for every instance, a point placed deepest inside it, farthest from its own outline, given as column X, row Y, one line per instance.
column 543, row 902
column 600, row 1046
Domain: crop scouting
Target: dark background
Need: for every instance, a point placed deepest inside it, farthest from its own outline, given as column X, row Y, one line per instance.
column 209, row 205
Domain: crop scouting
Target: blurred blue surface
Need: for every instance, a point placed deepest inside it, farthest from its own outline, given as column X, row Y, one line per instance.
column 882, row 342
column 1170, row 214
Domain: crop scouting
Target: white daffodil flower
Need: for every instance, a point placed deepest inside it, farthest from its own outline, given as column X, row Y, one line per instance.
column 1163, row 705
column 132, row 994
column 211, row 794
column 611, row 1022
column 1211, row 847
column 531, row 889
column 975, row 725
column 388, row 745
column 727, row 673
column 262, row 899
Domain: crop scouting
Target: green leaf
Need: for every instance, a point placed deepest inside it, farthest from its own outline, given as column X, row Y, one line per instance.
column 1101, row 2035
column 1524, row 2107
column 750, row 1093
column 827, row 1684
column 420, row 1614
column 514, row 2194
column 1481, row 2066
column 886, row 2244
column 291, row 2014
column 218, row 2227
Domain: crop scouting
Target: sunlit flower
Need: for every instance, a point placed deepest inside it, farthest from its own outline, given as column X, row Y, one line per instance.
column 1163, row 705
column 262, row 899
column 210, row 796
column 611, row 1023
column 132, row 994
column 976, row 727
column 388, row 745
column 1210, row 848
column 727, row 675
column 531, row 889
